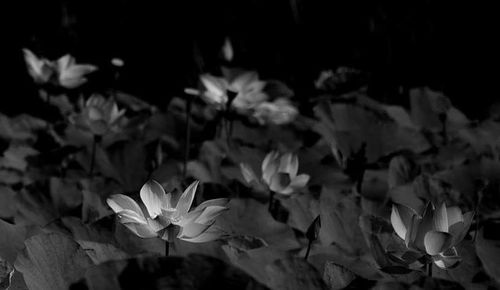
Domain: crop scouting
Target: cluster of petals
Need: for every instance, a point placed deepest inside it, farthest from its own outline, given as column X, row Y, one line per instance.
column 99, row 115
column 64, row 72
column 279, row 173
column 434, row 232
column 249, row 98
column 167, row 219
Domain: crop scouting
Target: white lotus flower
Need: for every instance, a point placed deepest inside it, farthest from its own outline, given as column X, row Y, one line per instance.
column 99, row 115
column 436, row 232
column 163, row 219
column 70, row 74
column 279, row 173
column 40, row 69
column 62, row 72
column 247, row 87
column 279, row 112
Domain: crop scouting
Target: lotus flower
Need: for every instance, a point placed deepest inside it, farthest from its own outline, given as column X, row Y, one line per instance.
column 279, row 173
column 40, row 69
column 436, row 232
column 279, row 112
column 247, row 87
column 162, row 219
column 99, row 115
column 62, row 72
column 70, row 74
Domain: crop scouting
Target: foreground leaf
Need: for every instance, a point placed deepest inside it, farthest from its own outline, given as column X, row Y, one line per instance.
column 51, row 262
column 294, row 274
column 193, row 272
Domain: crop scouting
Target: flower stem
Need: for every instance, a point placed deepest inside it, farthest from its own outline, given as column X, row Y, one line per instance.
column 429, row 269
column 188, row 136
column 308, row 249
column 167, row 248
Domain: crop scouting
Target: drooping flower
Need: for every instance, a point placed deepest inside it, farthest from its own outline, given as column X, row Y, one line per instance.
column 435, row 232
column 99, row 115
column 279, row 112
column 164, row 219
column 279, row 173
column 64, row 72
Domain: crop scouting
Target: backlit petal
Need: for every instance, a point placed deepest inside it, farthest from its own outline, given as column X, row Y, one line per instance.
column 154, row 198
column 440, row 219
column 192, row 230
column 209, row 214
column 141, row 230
column 186, row 199
column 270, row 166
column 128, row 216
column 120, row 202
column 289, row 163
column 211, row 234
column 401, row 217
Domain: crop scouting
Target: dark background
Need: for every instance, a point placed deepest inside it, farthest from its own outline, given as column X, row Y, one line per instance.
column 165, row 44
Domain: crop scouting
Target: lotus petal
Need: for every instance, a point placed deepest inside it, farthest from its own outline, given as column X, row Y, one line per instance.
column 440, row 219
column 120, row 202
column 154, row 198
column 401, row 218
column 454, row 215
column 437, row 242
column 186, row 199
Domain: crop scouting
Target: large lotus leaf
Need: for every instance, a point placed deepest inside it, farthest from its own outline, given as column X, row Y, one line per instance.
column 15, row 157
column 34, row 208
column 340, row 212
column 336, row 276
column 427, row 106
column 323, row 169
column 294, row 274
column 347, row 127
column 133, row 244
column 129, row 160
column 483, row 138
column 466, row 179
column 192, row 272
column 362, row 264
column 51, row 262
column 22, row 127
column 466, row 270
column 65, row 194
column 303, row 209
column 94, row 191
column 102, row 252
column 250, row 217
column 7, row 202
column 11, row 240
column 488, row 250
column 182, row 248
column 254, row 260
